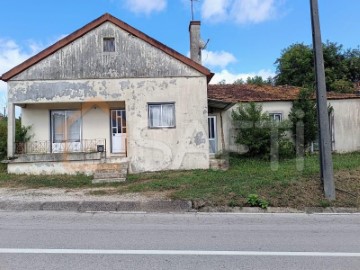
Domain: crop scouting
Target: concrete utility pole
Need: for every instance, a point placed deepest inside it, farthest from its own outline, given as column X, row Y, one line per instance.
column 326, row 164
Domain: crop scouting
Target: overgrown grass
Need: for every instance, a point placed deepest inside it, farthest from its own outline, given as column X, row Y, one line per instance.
column 40, row 181
column 288, row 183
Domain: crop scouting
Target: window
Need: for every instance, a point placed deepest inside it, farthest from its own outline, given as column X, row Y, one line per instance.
column 65, row 126
column 277, row 117
column 162, row 115
column 109, row 44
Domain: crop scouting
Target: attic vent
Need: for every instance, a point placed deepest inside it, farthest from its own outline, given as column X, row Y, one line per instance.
column 109, row 44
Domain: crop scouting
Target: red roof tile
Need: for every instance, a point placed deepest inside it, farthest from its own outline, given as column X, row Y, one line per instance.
column 234, row 93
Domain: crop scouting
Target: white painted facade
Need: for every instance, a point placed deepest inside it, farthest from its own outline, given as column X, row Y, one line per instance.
column 346, row 128
column 81, row 77
column 182, row 147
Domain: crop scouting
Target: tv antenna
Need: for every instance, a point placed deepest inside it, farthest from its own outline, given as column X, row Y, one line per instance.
column 192, row 8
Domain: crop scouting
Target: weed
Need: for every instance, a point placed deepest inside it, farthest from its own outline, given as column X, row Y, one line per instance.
column 324, row 203
column 254, row 201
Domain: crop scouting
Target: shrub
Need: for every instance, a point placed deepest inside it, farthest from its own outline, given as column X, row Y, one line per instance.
column 255, row 129
column 21, row 135
column 304, row 111
column 286, row 148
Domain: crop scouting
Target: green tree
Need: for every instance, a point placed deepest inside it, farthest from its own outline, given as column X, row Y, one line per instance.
column 21, row 135
column 304, row 111
column 352, row 59
column 342, row 86
column 258, row 80
column 295, row 67
column 254, row 129
column 239, row 81
column 3, row 138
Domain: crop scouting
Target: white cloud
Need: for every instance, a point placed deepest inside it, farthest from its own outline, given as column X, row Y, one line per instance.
column 217, row 59
column 11, row 54
column 242, row 11
column 215, row 9
column 145, row 6
column 231, row 77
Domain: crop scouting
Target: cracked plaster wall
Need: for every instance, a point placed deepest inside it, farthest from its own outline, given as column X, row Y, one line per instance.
column 183, row 147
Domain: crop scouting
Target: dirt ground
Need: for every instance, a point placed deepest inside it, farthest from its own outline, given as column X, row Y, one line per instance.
column 58, row 194
column 309, row 193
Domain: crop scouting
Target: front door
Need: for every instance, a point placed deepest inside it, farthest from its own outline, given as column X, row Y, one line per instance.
column 212, row 134
column 118, row 131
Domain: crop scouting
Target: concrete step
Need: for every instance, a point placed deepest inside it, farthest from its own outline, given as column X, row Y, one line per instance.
column 219, row 164
column 109, row 166
column 108, row 180
column 111, row 172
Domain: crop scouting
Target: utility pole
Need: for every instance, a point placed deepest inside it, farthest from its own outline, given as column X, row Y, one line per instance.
column 326, row 164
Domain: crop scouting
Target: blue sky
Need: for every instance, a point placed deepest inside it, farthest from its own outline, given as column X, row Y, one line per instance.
column 246, row 36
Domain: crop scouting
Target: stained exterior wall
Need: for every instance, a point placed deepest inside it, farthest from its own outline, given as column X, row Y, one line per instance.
column 80, row 75
column 346, row 124
column 183, row 147
column 85, row 59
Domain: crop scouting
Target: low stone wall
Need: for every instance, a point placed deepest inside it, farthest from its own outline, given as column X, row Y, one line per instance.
column 47, row 164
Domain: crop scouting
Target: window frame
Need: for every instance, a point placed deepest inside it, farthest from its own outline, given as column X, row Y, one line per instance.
column 52, row 134
column 161, row 104
column 105, row 39
column 273, row 114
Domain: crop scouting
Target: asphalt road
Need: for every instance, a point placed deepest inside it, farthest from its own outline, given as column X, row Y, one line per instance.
column 68, row 240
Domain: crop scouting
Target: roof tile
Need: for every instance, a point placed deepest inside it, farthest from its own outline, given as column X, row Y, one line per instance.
column 248, row 92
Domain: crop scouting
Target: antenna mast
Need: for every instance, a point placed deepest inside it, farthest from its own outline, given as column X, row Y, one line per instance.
column 192, row 9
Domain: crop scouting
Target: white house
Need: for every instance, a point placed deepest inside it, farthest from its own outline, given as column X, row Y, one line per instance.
column 277, row 101
column 108, row 96
column 108, row 99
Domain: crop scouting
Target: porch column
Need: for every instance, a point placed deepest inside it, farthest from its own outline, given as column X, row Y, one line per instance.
column 11, row 130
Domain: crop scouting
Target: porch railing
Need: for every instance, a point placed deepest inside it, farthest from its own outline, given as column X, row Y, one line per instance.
column 43, row 147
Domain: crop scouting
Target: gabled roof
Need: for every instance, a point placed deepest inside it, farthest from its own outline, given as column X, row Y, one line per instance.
column 233, row 93
column 92, row 25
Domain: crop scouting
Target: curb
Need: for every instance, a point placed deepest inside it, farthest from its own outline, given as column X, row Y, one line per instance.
column 160, row 206
column 94, row 206
column 280, row 210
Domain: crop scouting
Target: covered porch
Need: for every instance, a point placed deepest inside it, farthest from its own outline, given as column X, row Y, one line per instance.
column 68, row 138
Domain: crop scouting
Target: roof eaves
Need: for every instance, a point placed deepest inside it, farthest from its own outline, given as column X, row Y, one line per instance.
column 90, row 26
column 55, row 47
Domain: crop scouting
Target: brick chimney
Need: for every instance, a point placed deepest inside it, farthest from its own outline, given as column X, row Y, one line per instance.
column 195, row 41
